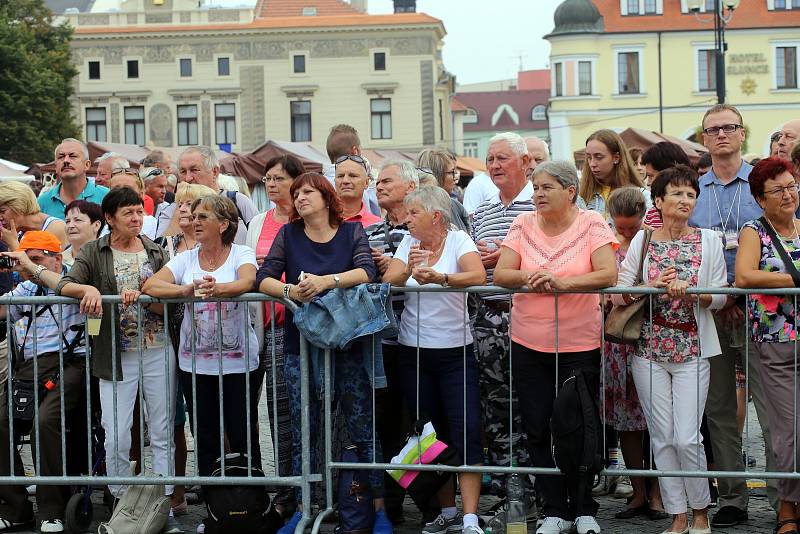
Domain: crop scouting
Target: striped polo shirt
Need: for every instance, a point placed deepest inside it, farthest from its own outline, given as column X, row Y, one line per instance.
column 385, row 237
column 492, row 220
column 48, row 330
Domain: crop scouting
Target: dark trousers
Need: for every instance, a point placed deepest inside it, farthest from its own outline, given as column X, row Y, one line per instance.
column 51, row 500
column 535, row 381
column 234, row 418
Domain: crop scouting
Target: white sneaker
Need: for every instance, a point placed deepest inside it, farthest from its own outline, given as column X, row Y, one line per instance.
column 623, row 490
column 586, row 524
column 554, row 525
column 52, row 525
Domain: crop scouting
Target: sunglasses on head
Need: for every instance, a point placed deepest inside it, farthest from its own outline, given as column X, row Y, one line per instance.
column 153, row 172
column 357, row 159
column 426, row 170
column 124, row 170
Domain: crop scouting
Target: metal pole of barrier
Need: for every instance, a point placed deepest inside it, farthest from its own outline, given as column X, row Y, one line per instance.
column 248, row 425
column 220, row 381
column 172, row 394
column 328, row 384
column 794, row 395
column 464, row 381
column 10, row 394
column 191, row 307
column 61, row 394
column 36, row 382
column 305, row 437
column 746, row 369
column 140, row 387
column 274, row 376
column 88, row 388
column 114, row 328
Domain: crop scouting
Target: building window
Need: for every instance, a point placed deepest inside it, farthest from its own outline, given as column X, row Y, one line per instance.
column 223, row 66
column 786, row 67
column 709, row 6
column 379, row 61
column 633, row 7
column 650, row 7
column 539, row 113
column 780, row 4
column 134, row 125
column 96, row 124
column 186, row 67
column 299, row 64
column 584, row 77
column 94, row 70
column 226, row 123
column 558, row 86
column 187, row 125
column 628, row 73
column 381, row 113
column 133, row 68
column 441, row 120
column 471, row 149
column 301, row 120
column 706, row 70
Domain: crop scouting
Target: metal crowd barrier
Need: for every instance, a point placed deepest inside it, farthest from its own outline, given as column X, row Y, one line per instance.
column 308, row 477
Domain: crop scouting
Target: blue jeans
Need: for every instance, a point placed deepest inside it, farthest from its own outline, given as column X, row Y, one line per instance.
column 441, row 395
column 353, row 392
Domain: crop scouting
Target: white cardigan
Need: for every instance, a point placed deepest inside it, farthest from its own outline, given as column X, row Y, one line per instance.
column 713, row 273
column 256, row 308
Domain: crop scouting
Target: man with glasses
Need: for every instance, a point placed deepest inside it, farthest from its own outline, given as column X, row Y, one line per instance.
column 790, row 133
column 72, row 163
column 121, row 167
column 155, row 184
column 724, row 205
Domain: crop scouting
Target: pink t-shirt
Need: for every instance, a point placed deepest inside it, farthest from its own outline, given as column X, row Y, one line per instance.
column 365, row 217
column 265, row 239
column 533, row 321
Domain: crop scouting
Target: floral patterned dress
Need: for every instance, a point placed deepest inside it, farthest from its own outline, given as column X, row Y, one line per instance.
column 674, row 337
column 621, row 408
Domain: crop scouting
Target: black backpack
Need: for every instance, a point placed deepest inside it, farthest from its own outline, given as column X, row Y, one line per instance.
column 240, row 509
column 232, row 196
column 355, row 500
column 577, row 432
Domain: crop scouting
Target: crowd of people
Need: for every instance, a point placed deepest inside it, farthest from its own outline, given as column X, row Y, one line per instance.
column 483, row 368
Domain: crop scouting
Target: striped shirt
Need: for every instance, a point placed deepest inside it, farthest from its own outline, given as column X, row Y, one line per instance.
column 386, row 238
column 492, row 219
column 48, row 331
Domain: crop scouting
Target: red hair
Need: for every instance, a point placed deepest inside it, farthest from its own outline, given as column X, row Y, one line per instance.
column 767, row 169
column 321, row 184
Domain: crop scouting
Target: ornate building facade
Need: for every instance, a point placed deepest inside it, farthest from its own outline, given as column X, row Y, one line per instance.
column 167, row 73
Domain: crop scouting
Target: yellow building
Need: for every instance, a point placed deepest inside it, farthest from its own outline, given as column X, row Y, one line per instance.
column 167, row 73
column 650, row 64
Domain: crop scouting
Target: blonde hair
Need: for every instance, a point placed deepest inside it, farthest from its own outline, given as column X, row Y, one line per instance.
column 624, row 171
column 186, row 193
column 18, row 197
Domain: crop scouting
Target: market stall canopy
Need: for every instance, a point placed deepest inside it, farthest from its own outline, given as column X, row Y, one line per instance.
column 13, row 171
column 250, row 166
column 644, row 139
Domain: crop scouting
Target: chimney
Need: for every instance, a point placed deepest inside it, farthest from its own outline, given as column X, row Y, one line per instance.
column 405, row 6
column 359, row 5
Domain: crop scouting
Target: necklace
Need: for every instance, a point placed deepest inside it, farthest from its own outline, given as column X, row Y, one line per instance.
column 794, row 227
column 435, row 253
column 213, row 263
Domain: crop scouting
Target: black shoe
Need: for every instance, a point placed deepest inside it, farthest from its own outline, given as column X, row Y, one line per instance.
column 728, row 516
column 631, row 512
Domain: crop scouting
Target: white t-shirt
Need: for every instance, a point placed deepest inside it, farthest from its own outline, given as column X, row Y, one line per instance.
column 443, row 317
column 480, row 189
column 236, row 325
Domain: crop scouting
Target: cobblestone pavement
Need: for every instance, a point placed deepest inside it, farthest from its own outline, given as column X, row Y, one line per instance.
column 762, row 518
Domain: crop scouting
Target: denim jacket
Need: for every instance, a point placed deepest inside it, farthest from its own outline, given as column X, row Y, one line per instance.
column 341, row 317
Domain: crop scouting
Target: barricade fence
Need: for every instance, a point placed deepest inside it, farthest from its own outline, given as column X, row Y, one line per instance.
column 82, row 425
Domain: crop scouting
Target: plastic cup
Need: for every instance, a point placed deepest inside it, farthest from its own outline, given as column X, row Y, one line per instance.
column 425, row 258
column 197, row 279
column 93, row 321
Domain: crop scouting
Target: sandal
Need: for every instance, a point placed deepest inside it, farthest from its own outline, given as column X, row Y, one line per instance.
column 785, row 522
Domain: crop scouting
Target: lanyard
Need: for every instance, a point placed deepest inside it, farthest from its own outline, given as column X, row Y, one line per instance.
column 737, row 197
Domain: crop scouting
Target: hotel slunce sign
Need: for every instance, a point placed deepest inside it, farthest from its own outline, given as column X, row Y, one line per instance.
column 743, row 64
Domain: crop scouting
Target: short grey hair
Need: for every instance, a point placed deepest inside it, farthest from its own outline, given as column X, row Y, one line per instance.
column 107, row 155
column 120, row 162
column 72, row 140
column 432, row 198
column 209, row 157
column 154, row 157
column 563, row 172
column 515, row 141
column 406, row 169
column 540, row 140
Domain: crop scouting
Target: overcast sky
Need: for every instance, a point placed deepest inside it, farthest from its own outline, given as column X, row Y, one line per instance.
column 485, row 40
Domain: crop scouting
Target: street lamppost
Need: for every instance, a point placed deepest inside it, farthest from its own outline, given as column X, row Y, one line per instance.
column 723, row 13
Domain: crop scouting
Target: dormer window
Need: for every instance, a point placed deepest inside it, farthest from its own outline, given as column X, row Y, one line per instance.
column 309, row 11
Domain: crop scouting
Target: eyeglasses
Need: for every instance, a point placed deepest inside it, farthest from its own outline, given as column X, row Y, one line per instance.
column 273, row 178
column 713, row 131
column 152, row 172
column 357, row 159
column 792, row 189
column 454, row 173
column 202, row 217
column 125, row 170
column 426, row 170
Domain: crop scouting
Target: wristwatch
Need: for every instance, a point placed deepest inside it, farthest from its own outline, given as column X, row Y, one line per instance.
column 336, row 280
column 446, row 282
column 38, row 272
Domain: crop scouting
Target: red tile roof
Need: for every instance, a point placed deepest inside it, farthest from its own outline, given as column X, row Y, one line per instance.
column 292, row 8
column 487, row 104
column 749, row 14
column 457, row 105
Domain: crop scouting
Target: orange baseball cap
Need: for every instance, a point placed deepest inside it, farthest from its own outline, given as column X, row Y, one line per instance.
column 40, row 240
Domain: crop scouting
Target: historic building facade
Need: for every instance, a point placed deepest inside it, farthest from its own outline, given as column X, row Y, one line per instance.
column 650, row 64
column 165, row 73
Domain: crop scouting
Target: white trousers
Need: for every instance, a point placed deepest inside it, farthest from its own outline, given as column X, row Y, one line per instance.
column 158, row 390
column 673, row 397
